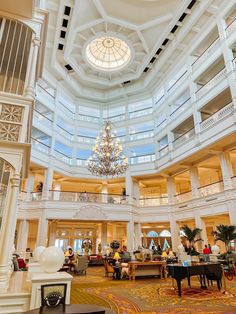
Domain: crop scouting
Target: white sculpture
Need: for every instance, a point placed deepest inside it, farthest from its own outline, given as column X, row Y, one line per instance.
column 37, row 252
column 215, row 249
column 52, row 259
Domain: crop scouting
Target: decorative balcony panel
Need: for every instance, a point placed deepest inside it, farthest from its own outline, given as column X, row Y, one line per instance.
column 177, row 83
column 206, row 55
column 11, row 120
column 212, row 188
column 183, row 197
column 86, row 139
column 63, row 157
column 217, row 116
column 36, row 144
column 87, row 118
column 161, row 126
column 164, row 151
column 42, row 119
column 155, row 201
column 141, row 135
column 182, row 108
column 15, row 47
column 231, row 28
column 81, row 162
column 142, row 159
column 65, row 133
column 219, row 77
column 66, row 110
column 184, row 138
column 140, row 113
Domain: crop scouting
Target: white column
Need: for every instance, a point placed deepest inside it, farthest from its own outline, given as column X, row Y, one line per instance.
column 137, row 235
column 47, row 182
column 52, row 234
column 30, row 185
column 130, row 235
column 232, row 212
column 30, row 88
column 195, row 184
column 42, row 235
column 104, row 236
column 226, row 170
column 23, row 236
column 57, row 191
column 171, row 189
column 129, row 186
column 175, row 233
column 104, row 192
column 136, row 191
column 8, row 230
column 199, row 222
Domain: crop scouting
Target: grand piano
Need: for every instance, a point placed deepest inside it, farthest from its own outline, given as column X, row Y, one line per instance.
column 210, row 271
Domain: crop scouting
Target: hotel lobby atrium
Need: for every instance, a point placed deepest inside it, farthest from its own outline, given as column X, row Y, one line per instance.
column 117, row 137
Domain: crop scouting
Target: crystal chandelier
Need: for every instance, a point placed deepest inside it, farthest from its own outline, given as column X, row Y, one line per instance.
column 108, row 158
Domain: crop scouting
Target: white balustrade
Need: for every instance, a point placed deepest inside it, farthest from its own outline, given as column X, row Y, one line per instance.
column 212, row 188
column 206, row 54
column 181, row 108
column 177, row 82
column 217, row 116
column 231, row 27
column 42, row 119
column 86, row 139
column 220, row 76
column 86, row 118
column 40, row 146
column 163, row 151
column 184, row 138
column 81, row 162
column 183, row 197
column 161, row 126
column 117, row 118
column 140, row 113
column 63, row 157
column 65, row 133
column 141, row 135
column 66, row 110
column 157, row 201
column 142, row 159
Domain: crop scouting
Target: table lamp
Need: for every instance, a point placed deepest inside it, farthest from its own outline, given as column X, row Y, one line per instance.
column 116, row 256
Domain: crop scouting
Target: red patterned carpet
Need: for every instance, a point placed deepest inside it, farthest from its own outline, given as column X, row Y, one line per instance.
column 151, row 295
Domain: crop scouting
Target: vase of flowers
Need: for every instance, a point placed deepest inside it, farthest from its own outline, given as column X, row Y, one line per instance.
column 114, row 245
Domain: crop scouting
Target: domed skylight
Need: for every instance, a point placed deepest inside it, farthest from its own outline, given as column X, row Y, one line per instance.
column 108, row 53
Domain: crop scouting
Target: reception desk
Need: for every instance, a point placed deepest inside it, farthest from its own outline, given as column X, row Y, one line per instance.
column 150, row 268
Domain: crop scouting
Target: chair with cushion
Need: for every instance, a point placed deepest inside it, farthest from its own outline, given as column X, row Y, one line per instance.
column 53, row 295
column 108, row 268
column 80, row 267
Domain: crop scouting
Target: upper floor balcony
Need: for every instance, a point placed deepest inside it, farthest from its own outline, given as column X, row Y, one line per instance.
column 141, row 135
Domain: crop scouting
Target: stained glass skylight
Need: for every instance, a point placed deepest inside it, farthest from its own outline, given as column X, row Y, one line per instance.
column 108, row 53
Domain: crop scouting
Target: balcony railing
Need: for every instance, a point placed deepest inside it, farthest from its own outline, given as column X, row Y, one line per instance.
column 184, row 138
column 207, row 53
column 159, row 101
column 141, row 135
column 81, row 162
column 231, row 27
column 234, row 181
column 217, row 116
column 153, row 201
column 83, row 117
column 140, row 113
column 38, row 116
column 161, row 125
column 181, row 108
column 220, row 76
column 116, row 118
column 212, row 188
column 36, row 144
column 183, row 197
column 177, row 82
column 64, row 132
column 66, row 110
column 142, row 158
column 45, row 93
column 86, row 139
column 63, row 157
column 164, row 150
column 87, row 197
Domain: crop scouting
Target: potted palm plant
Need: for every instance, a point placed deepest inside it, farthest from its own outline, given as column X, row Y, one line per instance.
column 192, row 236
column 225, row 234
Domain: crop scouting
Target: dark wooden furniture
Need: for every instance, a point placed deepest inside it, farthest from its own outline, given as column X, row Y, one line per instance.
column 53, row 294
column 203, row 270
column 73, row 309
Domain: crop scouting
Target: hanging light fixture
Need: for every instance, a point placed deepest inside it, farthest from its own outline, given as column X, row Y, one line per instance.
column 108, row 158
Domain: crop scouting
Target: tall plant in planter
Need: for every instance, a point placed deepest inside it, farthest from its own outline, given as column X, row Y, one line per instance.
column 225, row 234
column 192, row 236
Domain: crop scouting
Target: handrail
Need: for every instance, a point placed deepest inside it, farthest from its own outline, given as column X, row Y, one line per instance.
column 183, row 134
column 163, row 147
column 40, row 142
column 142, row 132
column 182, row 193
column 45, row 90
column 64, row 129
column 117, row 115
column 140, row 110
column 203, row 186
column 161, row 123
column 216, row 112
column 87, row 193
column 157, row 101
column 66, row 107
column 210, row 79
column 87, row 115
column 180, row 106
column 43, row 115
column 231, row 23
column 176, row 81
column 86, row 136
column 62, row 154
column 205, row 50
column 153, row 198
column 151, row 154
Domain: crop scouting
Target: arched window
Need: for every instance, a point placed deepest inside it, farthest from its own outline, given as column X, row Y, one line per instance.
column 152, row 234
column 165, row 233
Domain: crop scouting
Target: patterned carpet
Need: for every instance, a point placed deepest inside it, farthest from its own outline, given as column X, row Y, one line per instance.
column 151, row 295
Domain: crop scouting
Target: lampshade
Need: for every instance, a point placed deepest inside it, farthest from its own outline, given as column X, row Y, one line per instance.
column 116, row 256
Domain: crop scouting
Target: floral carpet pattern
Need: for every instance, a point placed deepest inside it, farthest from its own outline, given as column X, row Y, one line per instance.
column 151, row 295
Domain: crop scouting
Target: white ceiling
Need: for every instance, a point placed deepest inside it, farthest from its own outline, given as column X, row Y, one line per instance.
column 145, row 24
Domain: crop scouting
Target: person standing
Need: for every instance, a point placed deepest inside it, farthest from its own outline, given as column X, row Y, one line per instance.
column 206, row 250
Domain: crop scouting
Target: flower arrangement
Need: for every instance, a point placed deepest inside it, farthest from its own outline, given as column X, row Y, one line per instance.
column 114, row 245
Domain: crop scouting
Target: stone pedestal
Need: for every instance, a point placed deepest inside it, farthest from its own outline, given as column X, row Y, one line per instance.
column 39, row 279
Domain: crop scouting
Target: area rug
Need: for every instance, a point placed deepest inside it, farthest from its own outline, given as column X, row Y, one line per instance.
column 152, row 296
